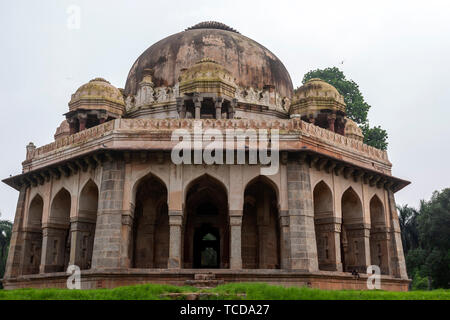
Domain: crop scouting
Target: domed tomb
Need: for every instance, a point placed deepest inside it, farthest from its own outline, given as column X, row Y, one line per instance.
column 260, row 77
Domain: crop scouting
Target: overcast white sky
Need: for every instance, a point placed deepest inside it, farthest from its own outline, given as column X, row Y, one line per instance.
column 397, row 51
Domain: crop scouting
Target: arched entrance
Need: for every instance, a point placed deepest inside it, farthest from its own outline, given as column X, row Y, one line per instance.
column 379, row 236
column 87, row 219
column 327, row 237
column 260, row 227
column 352, row 233
column 58, row 236
column 206, row 231
column 33, row 237
column 151, row 225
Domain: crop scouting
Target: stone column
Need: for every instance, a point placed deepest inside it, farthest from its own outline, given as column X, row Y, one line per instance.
column 82, row 241
column 181, row 108
column 397, row 258
column 284, row 239
column 107, row 242
column 82, row 118
column 301, row 216
column 175, row 223
column 198, row 106
column 16, row 244
column 358, row 237
column 218, row 105
column 232, row 111
column 331, row 120
column 235, row 240
column 379, row 248
column 54, row 254
column 72, row 125
column 328, row 231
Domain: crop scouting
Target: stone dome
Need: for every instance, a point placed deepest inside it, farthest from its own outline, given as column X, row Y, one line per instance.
column 317, row 88
column 353, row 131
column 98, row 94
column 251, row 64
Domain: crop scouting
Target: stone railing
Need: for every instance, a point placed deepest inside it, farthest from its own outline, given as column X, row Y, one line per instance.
column 284, row 126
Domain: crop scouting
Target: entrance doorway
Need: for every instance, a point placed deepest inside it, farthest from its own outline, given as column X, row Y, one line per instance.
column 207, row 247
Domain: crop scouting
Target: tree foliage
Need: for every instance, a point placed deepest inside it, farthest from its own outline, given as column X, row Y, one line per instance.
column 426, row 240
column 357, row 107
column 5, row 237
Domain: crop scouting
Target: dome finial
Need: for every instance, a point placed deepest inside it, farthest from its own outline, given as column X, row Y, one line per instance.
column 212, row 25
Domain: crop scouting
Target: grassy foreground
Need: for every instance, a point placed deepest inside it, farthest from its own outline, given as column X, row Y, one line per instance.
column 252, row 291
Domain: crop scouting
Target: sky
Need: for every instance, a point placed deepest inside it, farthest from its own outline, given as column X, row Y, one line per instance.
column 397, row 51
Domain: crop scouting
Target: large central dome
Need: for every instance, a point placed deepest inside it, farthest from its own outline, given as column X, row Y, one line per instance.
column 251, row 64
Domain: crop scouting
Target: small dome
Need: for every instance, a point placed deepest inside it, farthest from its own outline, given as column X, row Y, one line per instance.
column 63, row 130
column 317, row 88
column 353, row 131
column 317, row 95
column 98, row 94
column 207, row 76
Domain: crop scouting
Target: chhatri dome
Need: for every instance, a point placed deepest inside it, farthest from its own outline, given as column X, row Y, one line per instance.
column 109, row 196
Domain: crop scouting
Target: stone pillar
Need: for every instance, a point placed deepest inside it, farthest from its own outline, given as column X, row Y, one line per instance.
column 358, row 238
column 181, row 108
column 107, row 242
column 328, row 243
column 301, row 216
column 175, row 223
column 379, row 248
column 72, row 125
column 16, row 244
column 284, row 239
column 82, row 118
column 235, row 240
column 397, row 258
column 83, row 231
column 198, row 106
column 55, row 250
column 331, row 120
column 218, row 105
column 232, row 111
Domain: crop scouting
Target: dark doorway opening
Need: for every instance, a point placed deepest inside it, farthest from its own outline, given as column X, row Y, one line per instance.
column 207, row 247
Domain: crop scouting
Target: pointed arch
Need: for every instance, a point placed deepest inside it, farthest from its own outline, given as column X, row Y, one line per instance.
column 86, row 224
column 324, row 226
column 206, row 211
column 260, row 225
column 33, row 237
column 58, row 240
column 352, row 234
column 150, row 245
column 379, row 241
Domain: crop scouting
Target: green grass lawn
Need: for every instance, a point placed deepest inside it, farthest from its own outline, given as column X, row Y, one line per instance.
column 252, row 291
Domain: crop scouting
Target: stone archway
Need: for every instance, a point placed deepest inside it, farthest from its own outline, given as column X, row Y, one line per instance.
column 326, row 228
column 354, row 235
column 33, row 237
column 150, row 246
column 57, row 237
column 260, row 226
column 84, row 232
column 379, row 236
column 206, row 226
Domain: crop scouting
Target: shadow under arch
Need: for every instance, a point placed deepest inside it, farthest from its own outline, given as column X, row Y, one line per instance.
column 353, row 243
column 379, row 242
column 150, row 233
column 33, row 237
column 206, row 224
column 327, row 237
column 58, row 235
column 260, row 236
column 86, row 224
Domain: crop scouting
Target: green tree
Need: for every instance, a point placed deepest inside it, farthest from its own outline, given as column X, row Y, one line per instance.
column 426, row 240
column 5, row 237
column 357, row 107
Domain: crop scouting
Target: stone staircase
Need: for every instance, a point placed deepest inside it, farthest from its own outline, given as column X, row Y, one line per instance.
column 204, row 281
